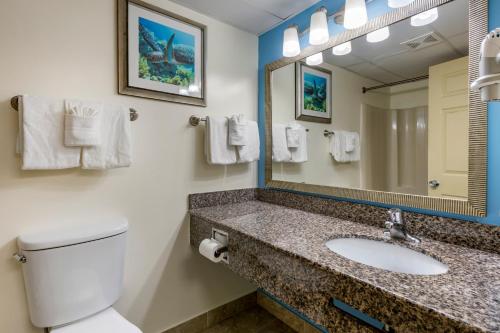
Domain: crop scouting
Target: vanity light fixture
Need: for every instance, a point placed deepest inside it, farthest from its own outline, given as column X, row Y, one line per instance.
column 291, row 44
column 425, row 18
column 342, row 49
column 355, row 14
column 378, row 35
column 315, row 59
column 398, row 3
column 318, row 32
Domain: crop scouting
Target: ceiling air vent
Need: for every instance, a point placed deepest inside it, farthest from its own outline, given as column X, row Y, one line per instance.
column 428, row 39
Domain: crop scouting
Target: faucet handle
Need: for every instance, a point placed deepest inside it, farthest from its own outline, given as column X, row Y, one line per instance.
column 396, row 215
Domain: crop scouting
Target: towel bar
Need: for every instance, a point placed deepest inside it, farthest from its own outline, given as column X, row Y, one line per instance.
column 195, row 121
column 328, row 133
column 14, row 102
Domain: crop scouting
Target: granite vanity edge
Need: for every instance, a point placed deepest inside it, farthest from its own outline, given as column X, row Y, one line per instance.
column 218, row 198
column 382, row 293
column 448, row 230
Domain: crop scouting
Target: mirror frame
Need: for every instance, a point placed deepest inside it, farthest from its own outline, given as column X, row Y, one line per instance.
column 478, row 120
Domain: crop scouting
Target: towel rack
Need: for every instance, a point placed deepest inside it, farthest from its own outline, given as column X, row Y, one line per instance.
column 195, row 121
column 14, row 102
column 328, row 133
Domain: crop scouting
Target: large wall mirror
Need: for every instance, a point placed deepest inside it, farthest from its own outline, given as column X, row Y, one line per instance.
column 385, row 115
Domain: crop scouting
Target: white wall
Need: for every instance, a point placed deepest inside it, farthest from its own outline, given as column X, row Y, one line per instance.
column 347, row 98
column 67, row 48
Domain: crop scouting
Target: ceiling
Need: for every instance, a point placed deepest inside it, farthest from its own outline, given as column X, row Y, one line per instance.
column 389, row 61
column 254, row 16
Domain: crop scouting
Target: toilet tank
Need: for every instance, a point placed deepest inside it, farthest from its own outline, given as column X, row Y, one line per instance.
column 72, row 273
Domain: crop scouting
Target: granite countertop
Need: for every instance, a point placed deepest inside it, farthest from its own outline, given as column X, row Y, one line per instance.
column 469, row 292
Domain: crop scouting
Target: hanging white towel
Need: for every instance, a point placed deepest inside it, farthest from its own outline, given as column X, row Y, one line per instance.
column 217, row 148
column 351, row 140
column 81, row 123
column 238, row 130
column 339, row 146
column 251, row 151
column 293, row 135
column 281, row 153
column 353, row 148
column 115, row 150
column 41, row 133
column 299, row 154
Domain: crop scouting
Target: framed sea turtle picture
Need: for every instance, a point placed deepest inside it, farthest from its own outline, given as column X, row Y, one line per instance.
column 313, row 93
column 161, row 55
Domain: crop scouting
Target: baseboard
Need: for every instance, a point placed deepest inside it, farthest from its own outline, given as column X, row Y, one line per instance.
column 215, row 316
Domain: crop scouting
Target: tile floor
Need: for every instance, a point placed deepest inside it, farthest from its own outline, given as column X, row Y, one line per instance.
column 255, row 320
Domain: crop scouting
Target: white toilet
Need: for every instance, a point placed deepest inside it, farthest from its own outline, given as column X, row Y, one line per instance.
column 74, row 275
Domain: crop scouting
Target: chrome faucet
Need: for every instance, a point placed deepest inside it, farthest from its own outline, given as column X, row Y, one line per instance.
column 396, row 227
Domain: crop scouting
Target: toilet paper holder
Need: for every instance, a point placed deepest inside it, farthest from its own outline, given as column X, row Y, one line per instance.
column 223, row 238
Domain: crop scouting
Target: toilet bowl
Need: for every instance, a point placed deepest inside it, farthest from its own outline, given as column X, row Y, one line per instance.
column 74, row 275
column 103, row 322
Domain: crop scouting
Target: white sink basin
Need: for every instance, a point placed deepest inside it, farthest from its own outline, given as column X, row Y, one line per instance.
column 386, row 256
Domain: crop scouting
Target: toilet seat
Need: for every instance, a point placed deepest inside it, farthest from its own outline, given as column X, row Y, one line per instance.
column 106, row 321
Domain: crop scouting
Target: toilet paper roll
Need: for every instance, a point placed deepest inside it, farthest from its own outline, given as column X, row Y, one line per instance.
column 208, row 247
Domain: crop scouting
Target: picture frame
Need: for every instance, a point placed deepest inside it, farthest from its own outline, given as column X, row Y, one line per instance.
column 161, row 55
column 313, row 94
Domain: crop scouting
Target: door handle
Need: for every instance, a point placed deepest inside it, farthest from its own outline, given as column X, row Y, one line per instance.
column 433, row 184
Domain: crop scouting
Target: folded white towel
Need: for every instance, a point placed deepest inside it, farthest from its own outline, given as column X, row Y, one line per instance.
column 41, row 133
column 339, row 147
column 299, row 154
column 81, row 124
column 251, row 151
column 293, row 135
column 351, row 140
column 217, row 148
column 238, row 130
column 115, row 150
column 281, row 153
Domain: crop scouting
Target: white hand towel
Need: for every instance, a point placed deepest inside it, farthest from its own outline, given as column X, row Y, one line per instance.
column 238, row 130
column 299, row 154
column 217, row 148
column 81, row 124
column 41, row 133
column 281, row 153
column 353, row 146
column 115, row 150
column 251, row 151
column 338, row 147
column 350, row 141
column 293, row 135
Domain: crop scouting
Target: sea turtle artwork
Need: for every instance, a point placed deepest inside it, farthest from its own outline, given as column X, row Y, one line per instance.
column 314, row 92
column 162, row 57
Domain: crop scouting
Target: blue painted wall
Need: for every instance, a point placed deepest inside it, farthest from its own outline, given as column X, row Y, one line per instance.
column 270, row 49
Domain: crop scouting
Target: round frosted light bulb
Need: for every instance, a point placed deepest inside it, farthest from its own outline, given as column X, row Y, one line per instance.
column 318, row 31
column 425, row 18
column 378, row 35
column 342, row 49
column 355, row 14
column 315, row 59
column 399, row 3
column 291, row 45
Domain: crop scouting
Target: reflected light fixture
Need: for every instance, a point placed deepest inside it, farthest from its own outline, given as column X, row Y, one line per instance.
column 342, row 49
column 378, row 35
column 291, row 44
column 425, row 18
column 355, row 14
column 399, row 3
column 315, row 59
column 318, row 31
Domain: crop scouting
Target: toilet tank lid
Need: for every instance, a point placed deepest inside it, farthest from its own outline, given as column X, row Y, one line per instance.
column 66, row 236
